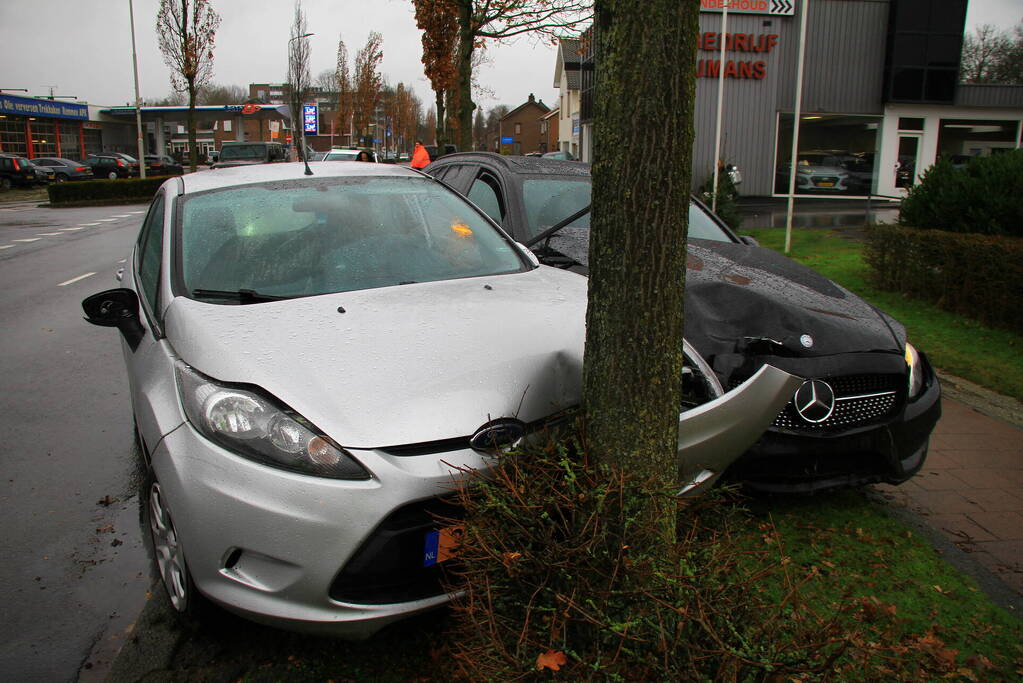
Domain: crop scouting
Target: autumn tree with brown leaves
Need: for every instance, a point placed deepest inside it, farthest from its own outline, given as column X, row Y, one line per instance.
column 367, row 82
column 345, row 94
column 187, row 31
column 438, row 19
column 476, row 22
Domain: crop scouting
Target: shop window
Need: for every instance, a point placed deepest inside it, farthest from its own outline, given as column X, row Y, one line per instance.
column 44, row 138
column 836, row 154
column 12, row 136
column 959, row 140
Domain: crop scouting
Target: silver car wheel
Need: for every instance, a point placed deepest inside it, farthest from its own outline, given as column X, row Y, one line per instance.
column 170, row 559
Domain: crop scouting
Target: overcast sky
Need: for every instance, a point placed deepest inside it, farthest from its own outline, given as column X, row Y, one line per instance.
column 83, row 47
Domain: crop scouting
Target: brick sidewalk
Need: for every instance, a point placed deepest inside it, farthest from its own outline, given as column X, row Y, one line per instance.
column 971, row 488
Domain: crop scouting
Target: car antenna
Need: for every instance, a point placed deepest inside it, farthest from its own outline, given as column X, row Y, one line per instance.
column 305, row 158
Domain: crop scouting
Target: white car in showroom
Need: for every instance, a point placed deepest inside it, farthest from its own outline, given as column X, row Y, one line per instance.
column 313, row 359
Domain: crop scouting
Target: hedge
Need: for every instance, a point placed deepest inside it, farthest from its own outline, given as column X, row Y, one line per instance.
column 983, row 196
column 979, row 276
column 122, row 189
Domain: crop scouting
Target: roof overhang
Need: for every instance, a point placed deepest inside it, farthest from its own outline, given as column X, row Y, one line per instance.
column 206, row 112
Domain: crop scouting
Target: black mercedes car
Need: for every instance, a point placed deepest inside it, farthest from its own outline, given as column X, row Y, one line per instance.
column 870, row 400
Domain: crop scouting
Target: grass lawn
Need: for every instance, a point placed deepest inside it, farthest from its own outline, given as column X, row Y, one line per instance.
column 36, row 194
column 989, row 357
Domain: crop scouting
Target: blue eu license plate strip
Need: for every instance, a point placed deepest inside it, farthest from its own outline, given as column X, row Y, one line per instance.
column 430, row 548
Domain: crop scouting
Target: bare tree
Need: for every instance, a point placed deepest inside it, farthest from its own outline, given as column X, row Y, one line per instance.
column 983, row 48
column 298, row 73
column 367, row 82
column 187, row 30
column 345, row 95
column 214, row 93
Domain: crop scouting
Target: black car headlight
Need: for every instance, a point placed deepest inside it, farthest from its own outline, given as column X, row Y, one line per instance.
column 916, row 371
column 250, row 423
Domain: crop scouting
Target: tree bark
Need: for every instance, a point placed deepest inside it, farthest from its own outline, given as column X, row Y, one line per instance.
column 641, row 186
column 193, row 153
column 440, row 132
column 465, row 48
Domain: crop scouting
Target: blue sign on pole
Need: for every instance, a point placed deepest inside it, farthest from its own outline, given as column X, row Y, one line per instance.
column 507, row 140
column 310, row 119
column 30, row 106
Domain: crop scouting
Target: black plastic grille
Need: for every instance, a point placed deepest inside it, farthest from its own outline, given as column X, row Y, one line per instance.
column 860, row 401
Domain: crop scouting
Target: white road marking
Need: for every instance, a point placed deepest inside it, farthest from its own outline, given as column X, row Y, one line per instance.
column 7, row 246
column 28, row 239
column 103, row 220
column 123, row 215
column 69, row 229
column 136, row 212
column 49, row 234
column 122, row 260
column 88, row 225
column 76, row 279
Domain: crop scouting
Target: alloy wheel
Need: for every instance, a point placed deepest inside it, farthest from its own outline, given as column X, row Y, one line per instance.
column 170, row 559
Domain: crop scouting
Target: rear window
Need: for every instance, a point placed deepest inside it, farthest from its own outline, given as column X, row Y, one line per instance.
column 342, row 155
column 242, row 152
column 314, row 236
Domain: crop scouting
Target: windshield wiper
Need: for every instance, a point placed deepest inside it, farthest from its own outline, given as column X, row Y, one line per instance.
column 558, row 226
column 243, row 296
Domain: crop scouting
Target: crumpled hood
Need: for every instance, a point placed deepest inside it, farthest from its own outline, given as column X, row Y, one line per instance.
column 403, row 364
column 736, row 291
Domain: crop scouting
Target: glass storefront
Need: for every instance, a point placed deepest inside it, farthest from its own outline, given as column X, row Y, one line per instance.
column 961, row 139
column 836, row 155
column 44, row 138
column 12, row 135
column 46, row 134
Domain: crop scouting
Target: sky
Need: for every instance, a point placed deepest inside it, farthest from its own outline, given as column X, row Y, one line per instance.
column 83, row 47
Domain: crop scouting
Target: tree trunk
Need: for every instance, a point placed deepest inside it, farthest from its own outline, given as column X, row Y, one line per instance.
column 193, row 152
column 641, row 185
column 440, row 132
column 465, row 47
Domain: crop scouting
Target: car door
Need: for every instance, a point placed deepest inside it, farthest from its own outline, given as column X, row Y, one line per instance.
column 487, row 192
column 151, row 364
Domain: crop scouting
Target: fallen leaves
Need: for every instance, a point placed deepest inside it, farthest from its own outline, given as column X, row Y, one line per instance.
column 552, row 659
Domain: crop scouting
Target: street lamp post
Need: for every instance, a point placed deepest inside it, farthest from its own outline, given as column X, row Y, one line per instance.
column 138, row 102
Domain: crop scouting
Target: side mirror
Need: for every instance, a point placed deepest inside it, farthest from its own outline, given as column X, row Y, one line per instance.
column 750, row 240
column 116, row 308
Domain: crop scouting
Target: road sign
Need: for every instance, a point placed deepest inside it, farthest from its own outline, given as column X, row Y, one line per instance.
column 507, row 140
column 785, row 8
column 310, row 119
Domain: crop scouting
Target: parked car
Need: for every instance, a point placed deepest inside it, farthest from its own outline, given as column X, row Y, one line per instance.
column 562, row 156
column 870, row 400
column 317, row 156
column 16, row 171
column 111, row 166
column 312, row 359
column 432, row 150
column 249, row 153
column 815, row 173
column 44, row 174
column 161, row 164
column 348, row 154
column 65, row 169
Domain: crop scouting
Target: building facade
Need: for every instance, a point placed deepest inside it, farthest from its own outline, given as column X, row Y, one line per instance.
column 567, row 81
column 520, row 128
column 881, row 100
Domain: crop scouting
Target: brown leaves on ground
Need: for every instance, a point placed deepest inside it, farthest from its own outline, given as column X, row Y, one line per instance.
column 552, row 659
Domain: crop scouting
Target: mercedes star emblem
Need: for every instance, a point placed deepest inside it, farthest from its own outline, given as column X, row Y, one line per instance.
column 814, row 401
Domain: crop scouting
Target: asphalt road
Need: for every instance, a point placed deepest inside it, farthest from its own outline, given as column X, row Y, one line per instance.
column 74, row 573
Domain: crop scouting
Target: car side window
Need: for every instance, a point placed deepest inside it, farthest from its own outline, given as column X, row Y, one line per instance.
column 150, row 250
column 486, row 194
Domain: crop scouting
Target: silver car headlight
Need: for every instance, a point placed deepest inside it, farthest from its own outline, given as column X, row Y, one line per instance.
column 254, row 425
column 916, row 371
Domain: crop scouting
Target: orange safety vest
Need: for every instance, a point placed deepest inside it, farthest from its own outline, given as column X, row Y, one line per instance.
column 420, row 157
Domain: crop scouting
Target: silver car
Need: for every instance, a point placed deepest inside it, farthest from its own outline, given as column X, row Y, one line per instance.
column 314, row 359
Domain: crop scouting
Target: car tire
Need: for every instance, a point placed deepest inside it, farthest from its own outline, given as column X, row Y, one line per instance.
column 60, row 178
column 112, row 175
column 5, row 184
column 167, row 552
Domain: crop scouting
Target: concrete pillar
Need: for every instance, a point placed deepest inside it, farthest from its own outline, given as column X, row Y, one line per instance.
column 239, row 129
column 161, row 143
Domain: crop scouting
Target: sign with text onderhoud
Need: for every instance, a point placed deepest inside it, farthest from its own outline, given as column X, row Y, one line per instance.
column 310, row 119
column 785, row 8
column 28, row 106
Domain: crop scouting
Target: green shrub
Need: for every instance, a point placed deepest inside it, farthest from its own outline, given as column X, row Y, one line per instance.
column 555, row 567
column 979, row 276
column 728, row 198
column 984, row 196
column 122, row 189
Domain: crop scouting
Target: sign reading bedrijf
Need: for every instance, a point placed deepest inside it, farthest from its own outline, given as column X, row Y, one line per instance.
column 785, row 8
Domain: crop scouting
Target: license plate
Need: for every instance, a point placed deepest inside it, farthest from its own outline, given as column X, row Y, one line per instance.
column 825, row 184
column 442, row 545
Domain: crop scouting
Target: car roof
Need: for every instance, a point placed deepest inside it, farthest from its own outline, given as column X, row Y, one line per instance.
column 521, row 164
column 293, row 170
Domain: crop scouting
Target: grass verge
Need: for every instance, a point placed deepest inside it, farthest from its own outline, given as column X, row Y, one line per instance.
column 35, row 194
column 961, row 346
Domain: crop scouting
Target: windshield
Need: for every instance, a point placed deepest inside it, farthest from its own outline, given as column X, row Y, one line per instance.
column 314, row 236
column 549, row 200
column 229, row 153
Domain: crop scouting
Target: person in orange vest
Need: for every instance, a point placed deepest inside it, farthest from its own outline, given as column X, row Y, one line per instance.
column 420, row 157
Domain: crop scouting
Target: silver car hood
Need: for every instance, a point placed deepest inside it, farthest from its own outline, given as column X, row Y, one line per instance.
column 402, row 365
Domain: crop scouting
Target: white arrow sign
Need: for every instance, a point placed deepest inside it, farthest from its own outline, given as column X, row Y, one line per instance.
column 785, row 8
